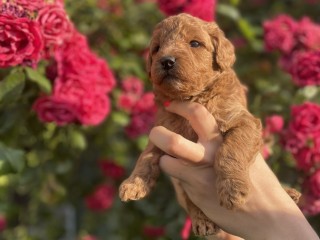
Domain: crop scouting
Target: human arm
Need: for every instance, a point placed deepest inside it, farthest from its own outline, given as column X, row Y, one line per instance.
column 269, row 213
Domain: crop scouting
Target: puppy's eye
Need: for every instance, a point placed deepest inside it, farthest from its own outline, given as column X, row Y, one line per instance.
column 194, row 44
column 156, row 49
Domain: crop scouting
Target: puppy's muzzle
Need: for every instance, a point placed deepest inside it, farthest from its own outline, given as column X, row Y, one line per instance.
column 168, row 62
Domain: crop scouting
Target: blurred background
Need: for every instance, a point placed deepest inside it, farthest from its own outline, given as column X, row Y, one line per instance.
column 76, row 106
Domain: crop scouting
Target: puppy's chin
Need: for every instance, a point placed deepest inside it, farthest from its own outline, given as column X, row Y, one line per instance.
column 173, row 88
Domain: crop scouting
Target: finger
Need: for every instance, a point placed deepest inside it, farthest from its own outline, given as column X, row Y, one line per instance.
column 201, row 120
column 174, row 167
column 176, row 145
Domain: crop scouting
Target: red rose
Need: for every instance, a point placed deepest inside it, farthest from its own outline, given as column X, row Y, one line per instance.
column 111, row 169
column 54, row 24
column 305, row 118
column 313, row 184
column 21, row 41
column 279, row 34
column 293, row 141
column 308, row 34
column 101, row 199
column 52, row 109
column 274, row 124
column 153, row 231
column 142, row 117
column 203, row 9
column 310, row 205
column 91, row 106
column 3, row 223
column 170, row 7
column 73, row 88
column 31, row 5
column 94, row 110
column 76, row 57
column 305, row 68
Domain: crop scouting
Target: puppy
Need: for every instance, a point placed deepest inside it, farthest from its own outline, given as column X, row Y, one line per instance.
column 191, row 60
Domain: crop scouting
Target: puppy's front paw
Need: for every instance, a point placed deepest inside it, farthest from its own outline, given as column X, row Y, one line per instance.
column 233, row 193
column 133, row 188
column 202, row 226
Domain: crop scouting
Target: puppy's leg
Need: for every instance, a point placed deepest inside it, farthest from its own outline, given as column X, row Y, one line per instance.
column 294, row 194
column 240, row 145
column 201, row 224
column 143, row 177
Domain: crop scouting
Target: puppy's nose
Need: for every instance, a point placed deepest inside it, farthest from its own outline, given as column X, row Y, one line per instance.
column 168, row 62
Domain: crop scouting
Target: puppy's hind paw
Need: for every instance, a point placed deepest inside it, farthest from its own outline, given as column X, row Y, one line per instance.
column 233, row 193
column 202, row 226
column 133, row 189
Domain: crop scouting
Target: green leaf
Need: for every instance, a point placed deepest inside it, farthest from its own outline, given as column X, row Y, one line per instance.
column 42, row 81
column 120, row 118
column 78, row 139
column 12, row 160
column 142, row 142
column 11, row 87
column 228, row 11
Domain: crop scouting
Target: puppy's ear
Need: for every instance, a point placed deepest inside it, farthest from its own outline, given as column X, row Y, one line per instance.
column 223, row 48
column 149, row 63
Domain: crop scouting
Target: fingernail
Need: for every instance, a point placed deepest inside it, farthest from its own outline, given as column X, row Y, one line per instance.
column 166, row 103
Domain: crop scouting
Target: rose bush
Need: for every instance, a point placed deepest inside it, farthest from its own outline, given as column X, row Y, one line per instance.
column 76, row 107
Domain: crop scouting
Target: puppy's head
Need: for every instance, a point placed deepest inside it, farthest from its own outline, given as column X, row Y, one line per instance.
column 186, row 55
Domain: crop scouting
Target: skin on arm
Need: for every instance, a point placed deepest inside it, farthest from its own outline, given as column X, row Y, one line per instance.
column 269, row 212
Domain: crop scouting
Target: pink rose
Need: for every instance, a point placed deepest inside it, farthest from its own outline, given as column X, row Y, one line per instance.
column 89, row 237
column 132, row 85
column 266, row 152
column 132, row 90
column 305, row 68
column 279, row 34
column 55, row 24
column 126, row 101
column 305, row 118
column 101, row 199
column 30, row 5
column 313, row 184
column 186, row 230
column 21, row 41
column 52, row 109
column 274, row 124
column 111, row 169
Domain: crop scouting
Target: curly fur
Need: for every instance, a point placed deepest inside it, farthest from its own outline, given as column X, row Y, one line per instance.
column 201, row 74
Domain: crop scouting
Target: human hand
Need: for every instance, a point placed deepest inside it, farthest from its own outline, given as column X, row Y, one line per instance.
column 269, row 212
